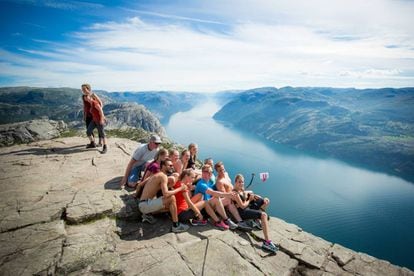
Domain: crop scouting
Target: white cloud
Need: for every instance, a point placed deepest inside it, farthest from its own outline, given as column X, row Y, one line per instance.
column 333, row 46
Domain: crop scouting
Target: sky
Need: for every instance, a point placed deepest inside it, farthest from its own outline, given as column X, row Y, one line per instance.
column 207, row 46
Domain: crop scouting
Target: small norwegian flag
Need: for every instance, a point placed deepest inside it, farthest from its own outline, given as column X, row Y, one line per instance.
column 264, row 176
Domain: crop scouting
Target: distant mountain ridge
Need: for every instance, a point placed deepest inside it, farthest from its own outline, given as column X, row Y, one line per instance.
column 372, row 127
column 162, row 103
column 145, row 109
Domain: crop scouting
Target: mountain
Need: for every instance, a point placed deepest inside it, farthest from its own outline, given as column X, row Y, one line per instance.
column 131, row 114
column 162, row 103
column 19, row 104
column 370, row 127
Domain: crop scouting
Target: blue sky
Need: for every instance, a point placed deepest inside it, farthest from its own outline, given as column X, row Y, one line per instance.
column 207, row 46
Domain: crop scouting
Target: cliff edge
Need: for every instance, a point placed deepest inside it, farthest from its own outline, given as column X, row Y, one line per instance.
column 62, row 213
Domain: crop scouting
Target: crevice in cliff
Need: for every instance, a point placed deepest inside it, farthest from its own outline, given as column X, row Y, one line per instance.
column 237, row 249
column 183, row 258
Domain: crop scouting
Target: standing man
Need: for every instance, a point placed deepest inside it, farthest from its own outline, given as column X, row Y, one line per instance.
column 142, row 155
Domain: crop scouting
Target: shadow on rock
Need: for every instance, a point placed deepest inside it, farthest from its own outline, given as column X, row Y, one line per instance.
column 130, row 230
column 113, row 184
column 46, row 151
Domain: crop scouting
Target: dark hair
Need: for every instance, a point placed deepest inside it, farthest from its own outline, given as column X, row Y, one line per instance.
column 186, row 172
column 162, row 163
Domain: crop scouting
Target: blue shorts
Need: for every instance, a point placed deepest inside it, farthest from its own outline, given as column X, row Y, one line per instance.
column 135, row 173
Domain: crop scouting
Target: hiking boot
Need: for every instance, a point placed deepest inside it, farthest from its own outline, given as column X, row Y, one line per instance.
column 91, row 145
column 104, row 150
column 221, row 225
column 270, row 246
column 231, row 224
column 148, row 218
column 196, row 222
column 242, row 225
column 180, row 228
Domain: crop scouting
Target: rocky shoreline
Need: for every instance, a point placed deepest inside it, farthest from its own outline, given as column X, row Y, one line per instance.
column 62, row 213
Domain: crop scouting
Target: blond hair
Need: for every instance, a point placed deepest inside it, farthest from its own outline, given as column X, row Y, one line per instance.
column 87, row 85
column 238, row 176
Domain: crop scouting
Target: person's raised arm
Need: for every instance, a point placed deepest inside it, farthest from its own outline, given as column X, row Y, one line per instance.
column 218, row 194
column 242, row 203
column 164, row 188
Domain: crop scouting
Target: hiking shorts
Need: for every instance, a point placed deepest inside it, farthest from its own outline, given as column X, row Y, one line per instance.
column 256, row 204
column 92, row 125
column 248, row 213
column 186, row 215
column 135, row 174
column 151, row 205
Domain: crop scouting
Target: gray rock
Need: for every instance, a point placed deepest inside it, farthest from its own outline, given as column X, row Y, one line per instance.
column 85, row 245
column 32, row 250
column 29, row 131
column 121, row 115
column 63, row 213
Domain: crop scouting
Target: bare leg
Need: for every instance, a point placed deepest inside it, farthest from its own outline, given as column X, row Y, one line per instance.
column 218, row 206
column 265, row 225
column 201, row 205
column 266, row 203
column 211, row 212
column 227, row 202
column 170, row 203
column 196, row 198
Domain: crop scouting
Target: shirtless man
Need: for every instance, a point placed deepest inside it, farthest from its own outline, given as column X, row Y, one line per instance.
column 148, row 202
column 223, row 181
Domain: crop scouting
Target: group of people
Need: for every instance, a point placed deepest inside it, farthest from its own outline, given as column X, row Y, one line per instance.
column 167, row 181
column 170, row 181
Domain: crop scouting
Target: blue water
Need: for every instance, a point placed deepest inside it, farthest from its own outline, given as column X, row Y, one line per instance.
column 366, row 211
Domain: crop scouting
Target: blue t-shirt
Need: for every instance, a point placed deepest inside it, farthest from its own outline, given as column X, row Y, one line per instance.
column 202, row 187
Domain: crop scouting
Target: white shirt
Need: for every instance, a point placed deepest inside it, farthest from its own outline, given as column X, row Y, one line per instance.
column 142, row 154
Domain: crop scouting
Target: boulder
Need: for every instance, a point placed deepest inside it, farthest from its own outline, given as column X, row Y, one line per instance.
column 29, row 131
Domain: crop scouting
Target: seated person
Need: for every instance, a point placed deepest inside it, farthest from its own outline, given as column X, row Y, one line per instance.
column 141, row 157
column 223, row 182
column 243, row 200
column 205, row 188
column 154, row 166
column 189, row 209
column 183, row 161
column 175, row 158
column 149, row 203
column 209, row 161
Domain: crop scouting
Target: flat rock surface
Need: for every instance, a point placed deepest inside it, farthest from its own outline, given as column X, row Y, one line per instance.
column 63, row 213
